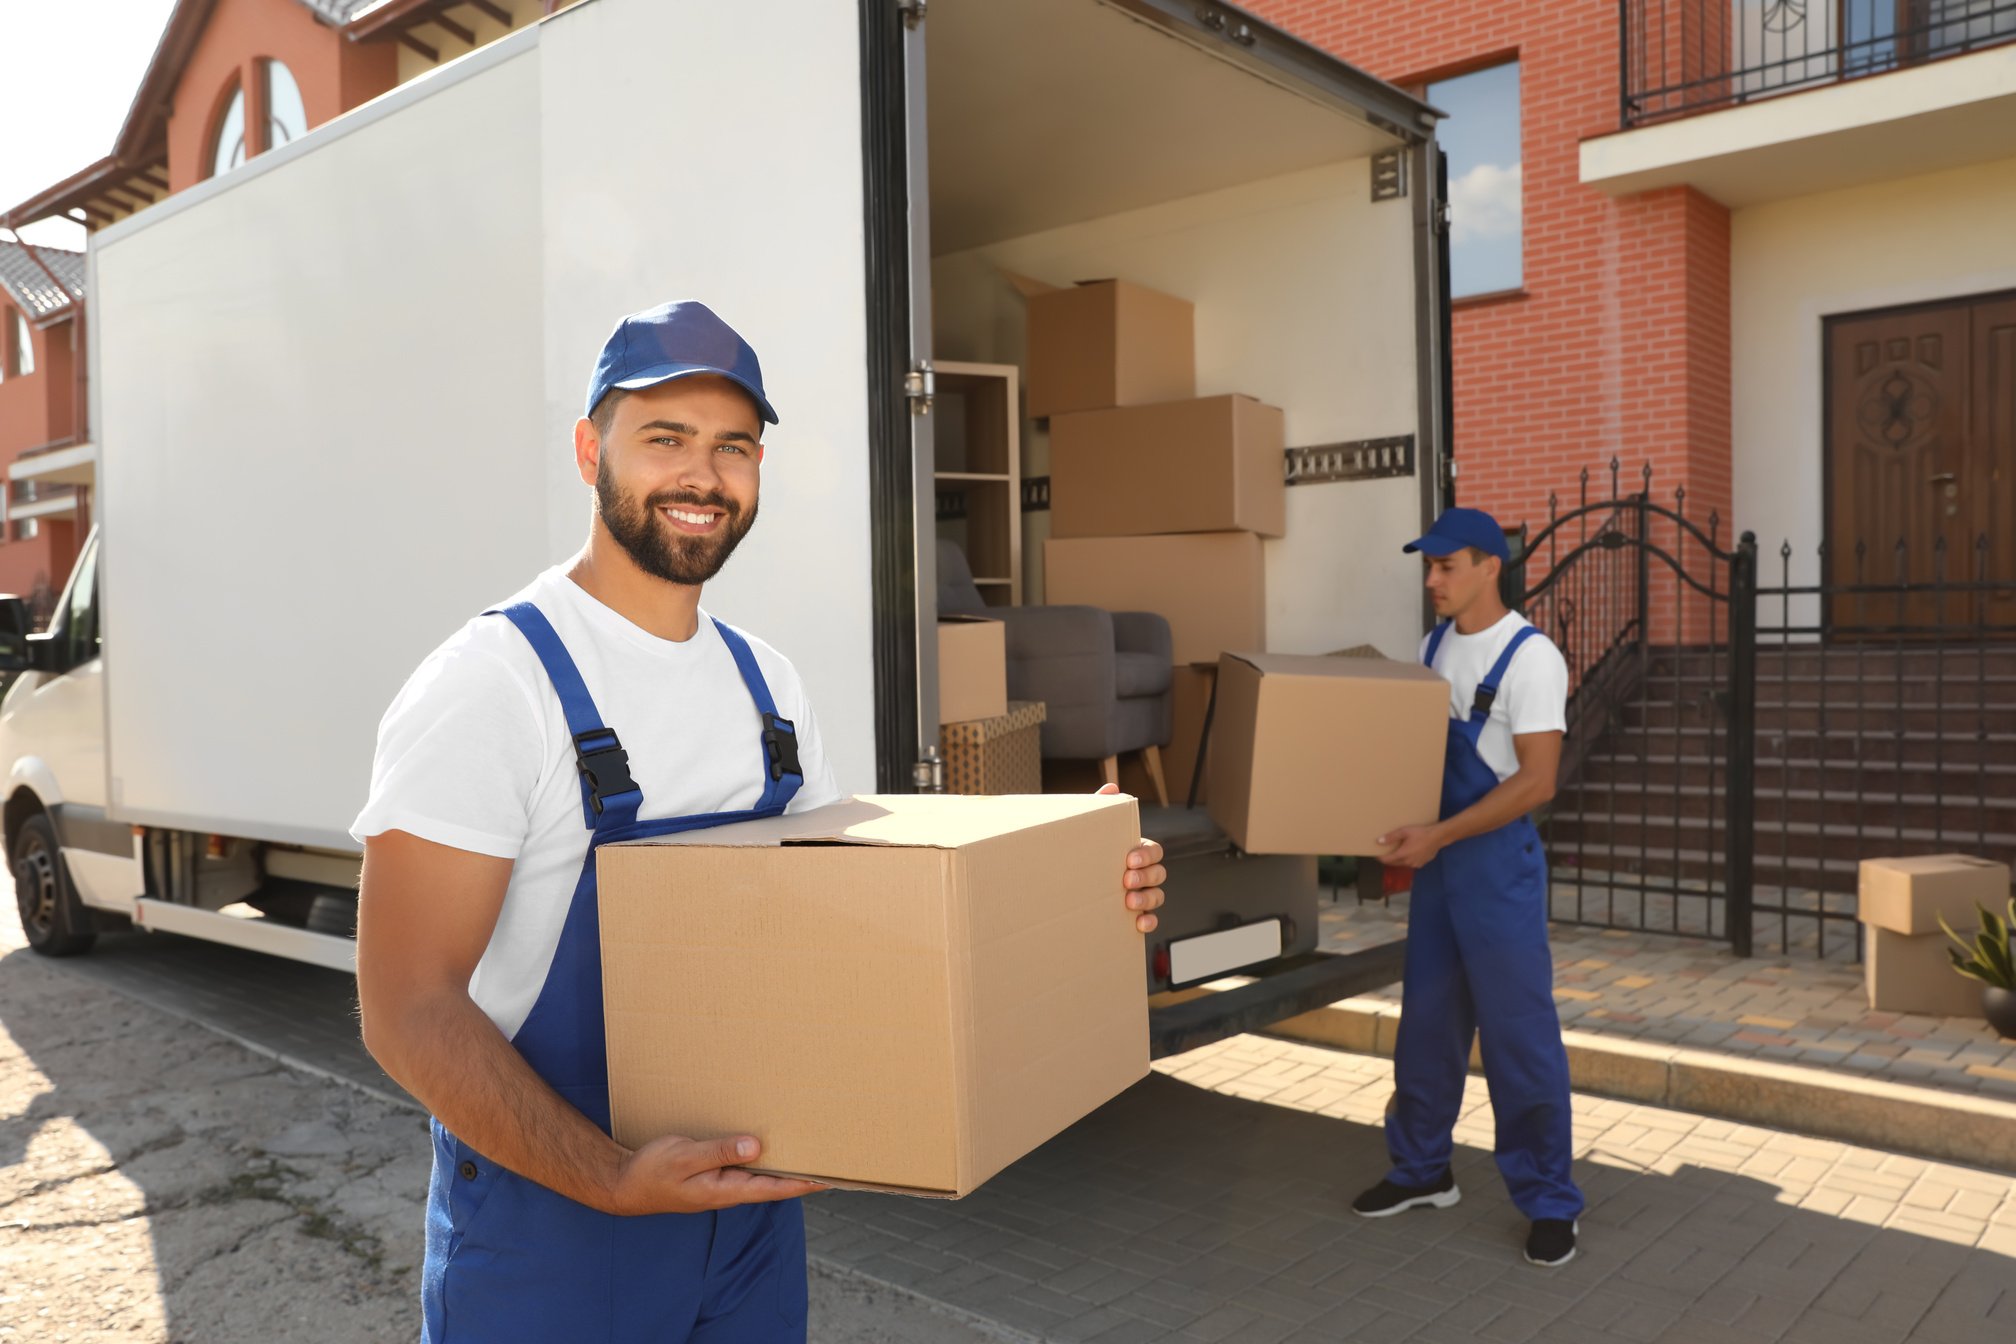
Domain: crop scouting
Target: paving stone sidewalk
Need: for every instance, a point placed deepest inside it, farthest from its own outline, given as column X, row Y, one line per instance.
column 1210, row 1204
column 1796, row 1006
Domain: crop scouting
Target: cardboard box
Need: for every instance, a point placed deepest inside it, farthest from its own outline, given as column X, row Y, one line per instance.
column 972, row 668
column 1208, row 465
column 1212, row 586
column 1189, row 695
column 1107, row 343
column 1910, row 895
column 998, row 755
column 1911, row 973
column 900, row 993
column 1321, row 755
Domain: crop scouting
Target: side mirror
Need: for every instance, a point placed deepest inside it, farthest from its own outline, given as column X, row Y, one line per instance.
column 15, row 655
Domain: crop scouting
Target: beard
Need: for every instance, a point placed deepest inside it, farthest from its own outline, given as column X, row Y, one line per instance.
column 650, row 541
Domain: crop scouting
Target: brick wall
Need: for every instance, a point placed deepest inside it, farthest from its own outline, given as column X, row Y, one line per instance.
column 1618, row 344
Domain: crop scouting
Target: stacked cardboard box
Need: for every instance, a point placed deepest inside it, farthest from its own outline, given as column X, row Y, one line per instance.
column 1158, row 498
column 1904, row 961
column 1003, row 754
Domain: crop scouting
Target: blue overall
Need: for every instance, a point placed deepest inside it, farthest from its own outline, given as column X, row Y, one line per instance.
column 1477, row 958
column 509, row 1260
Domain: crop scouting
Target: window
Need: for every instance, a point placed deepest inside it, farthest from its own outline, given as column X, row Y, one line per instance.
column 286, row 117
column 1481, row 138
column 228, row 151
column 24, row 346
column 79, row 636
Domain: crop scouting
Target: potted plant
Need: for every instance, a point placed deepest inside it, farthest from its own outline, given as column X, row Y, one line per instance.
column 1988, row 959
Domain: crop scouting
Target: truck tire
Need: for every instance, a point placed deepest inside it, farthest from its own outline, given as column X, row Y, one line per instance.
column 56, row 922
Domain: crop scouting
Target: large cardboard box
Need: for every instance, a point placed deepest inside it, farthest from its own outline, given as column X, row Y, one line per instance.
column 1910, row 895
column 1212, row 586
column 1208, row 465
column 1911, row 973
column 1107, row 343
column 972, row 668
column 1003, row 754
column 901, row 993
column 1312, row 754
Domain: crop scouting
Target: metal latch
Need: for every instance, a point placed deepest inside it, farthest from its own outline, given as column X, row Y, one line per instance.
column 912, row 11
column 929, row 772
column 920, row 385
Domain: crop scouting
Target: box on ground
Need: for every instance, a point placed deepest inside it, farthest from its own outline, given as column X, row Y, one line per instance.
column 1320, row 755
column 904, row 993
column 972, row 668
column 1911, row 973
column 1003, row 754
column 1106, row 343
column 1910, row 895
column 1208, row 465
column 1189, row 696
column 1212, row 586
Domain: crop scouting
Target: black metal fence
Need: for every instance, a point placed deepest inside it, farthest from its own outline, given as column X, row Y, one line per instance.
column 1681, row 56
column 1736, row 748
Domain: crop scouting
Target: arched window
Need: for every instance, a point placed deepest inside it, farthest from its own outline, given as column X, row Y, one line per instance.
column 227, row 151
column 286, row 117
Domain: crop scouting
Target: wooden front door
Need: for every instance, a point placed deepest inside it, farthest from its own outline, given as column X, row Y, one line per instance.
column 1921, row 464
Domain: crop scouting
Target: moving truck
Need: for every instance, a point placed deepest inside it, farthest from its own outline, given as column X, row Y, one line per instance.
column 332, row 393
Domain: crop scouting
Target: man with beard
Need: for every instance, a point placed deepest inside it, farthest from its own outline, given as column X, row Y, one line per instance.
column 499, row 770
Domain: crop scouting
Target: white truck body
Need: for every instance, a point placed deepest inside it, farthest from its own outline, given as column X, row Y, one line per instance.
column 333, row 389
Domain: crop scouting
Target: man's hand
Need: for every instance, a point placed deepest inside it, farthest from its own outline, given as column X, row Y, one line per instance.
column 1413, row 846
column 1142, row 882
column 675, row 1175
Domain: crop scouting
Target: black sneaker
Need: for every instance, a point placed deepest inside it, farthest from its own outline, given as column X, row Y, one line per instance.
column 1551, row 1242
column 1386, row 1199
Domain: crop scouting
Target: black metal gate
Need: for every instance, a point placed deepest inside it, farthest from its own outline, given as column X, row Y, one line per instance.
column 1657, row 622
column 1734, row 751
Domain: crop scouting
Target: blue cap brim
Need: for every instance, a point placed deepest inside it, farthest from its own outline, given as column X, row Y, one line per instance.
column 1436, row 546
column 665, row 373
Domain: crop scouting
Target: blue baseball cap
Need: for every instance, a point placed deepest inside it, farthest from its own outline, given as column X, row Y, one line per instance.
column 1460, row 529
column 675, row 340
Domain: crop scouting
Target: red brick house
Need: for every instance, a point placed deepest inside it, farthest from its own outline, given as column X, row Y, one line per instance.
column 41, row 410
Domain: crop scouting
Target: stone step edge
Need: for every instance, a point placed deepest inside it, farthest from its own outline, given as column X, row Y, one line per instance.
column 1875, row 1112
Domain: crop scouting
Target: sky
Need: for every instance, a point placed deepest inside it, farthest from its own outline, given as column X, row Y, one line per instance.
column 72, row 68
column 1481, row 138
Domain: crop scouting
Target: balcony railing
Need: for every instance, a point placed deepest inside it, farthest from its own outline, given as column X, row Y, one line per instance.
column 1682, row 56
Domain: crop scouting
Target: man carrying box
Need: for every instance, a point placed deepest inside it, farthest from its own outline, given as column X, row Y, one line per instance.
column 1477, row 953
column 498, row 774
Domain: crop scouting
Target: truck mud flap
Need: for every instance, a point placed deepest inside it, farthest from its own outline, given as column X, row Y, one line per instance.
column 1294, row 985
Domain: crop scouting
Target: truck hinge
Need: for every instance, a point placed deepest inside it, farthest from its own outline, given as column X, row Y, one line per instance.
column 1448, row 473
column 1389, row 176
column 920, row 385
column 929, row 772
column 912, row 11
column 1442, row 219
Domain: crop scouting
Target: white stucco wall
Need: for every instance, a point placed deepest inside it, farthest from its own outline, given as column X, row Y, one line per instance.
column 1793, row 264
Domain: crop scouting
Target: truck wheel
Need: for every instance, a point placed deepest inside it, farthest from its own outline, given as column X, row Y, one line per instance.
column 56, row 923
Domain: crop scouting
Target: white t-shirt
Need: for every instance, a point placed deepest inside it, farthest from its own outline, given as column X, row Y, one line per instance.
column 1533, row 698
column 475, row 754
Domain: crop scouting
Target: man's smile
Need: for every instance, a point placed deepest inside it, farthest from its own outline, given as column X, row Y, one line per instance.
column 693, row 522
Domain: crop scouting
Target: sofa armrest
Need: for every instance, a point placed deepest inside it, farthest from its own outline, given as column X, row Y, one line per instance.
column 1143, row 632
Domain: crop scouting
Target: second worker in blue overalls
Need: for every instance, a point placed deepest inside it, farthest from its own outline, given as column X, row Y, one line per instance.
column 1477, row 957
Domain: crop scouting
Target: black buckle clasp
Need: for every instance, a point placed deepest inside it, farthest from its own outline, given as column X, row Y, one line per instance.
column 780, row 747
column 1487, row 696
column 605, row 766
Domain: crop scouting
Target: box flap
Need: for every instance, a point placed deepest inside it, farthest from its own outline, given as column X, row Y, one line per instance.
column 962, row 618
column 1028, row 286
column 1353, row 665
column 925, row 821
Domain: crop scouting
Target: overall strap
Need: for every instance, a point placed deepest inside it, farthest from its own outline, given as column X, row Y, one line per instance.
column 782, row 774
column 1487, row 689
column 1434, row 645
column 609, row 797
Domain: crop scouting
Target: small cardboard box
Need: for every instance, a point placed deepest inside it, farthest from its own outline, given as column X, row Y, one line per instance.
column 998, row 755
column 1208, row 465
column 1911, row 973
column 1107, row 343
column 1910, row 895
column 1211, row 586
column 900, row 993
column 1313, row 754
column 972, row 668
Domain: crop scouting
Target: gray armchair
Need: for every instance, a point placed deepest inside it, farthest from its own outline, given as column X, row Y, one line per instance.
column 1104, row 676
